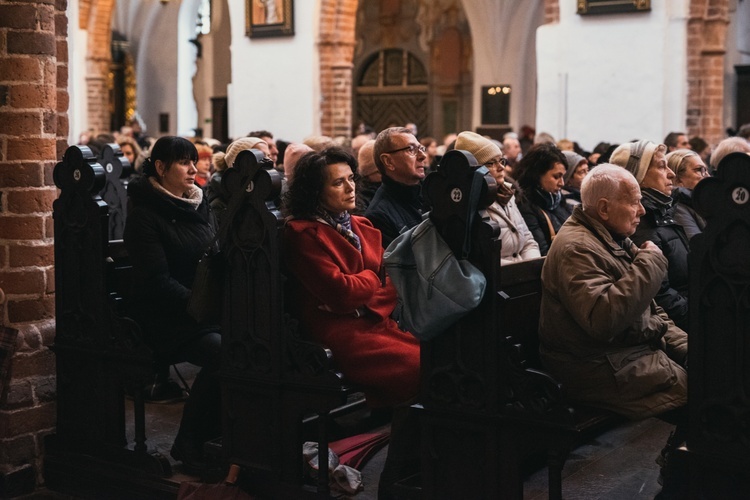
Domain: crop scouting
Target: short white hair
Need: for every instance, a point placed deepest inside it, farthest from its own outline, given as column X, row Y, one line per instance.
column 604, row 181
column 729, row 145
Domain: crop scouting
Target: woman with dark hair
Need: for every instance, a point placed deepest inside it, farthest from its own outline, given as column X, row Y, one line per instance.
column 343, row 299
column 168, row 227
column 541, row 175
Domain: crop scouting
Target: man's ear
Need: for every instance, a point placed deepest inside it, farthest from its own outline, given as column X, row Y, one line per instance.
column 602, row 208
column 387, row 161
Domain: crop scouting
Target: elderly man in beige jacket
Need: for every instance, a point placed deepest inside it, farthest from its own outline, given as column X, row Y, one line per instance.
column 600, row 330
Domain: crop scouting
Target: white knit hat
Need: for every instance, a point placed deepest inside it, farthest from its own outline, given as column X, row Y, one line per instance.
column 635, row 157
column 482, row 148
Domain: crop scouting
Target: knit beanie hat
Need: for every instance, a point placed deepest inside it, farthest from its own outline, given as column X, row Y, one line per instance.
column 366, row 159
column 573, row 159
column 222, row 161
column 292, row 154
column 635, row 157
column 482, row 148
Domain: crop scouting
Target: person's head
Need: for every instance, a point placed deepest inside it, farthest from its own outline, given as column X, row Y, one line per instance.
column 322, row 181
column 700, row 146
column 412, row 127
column 172, row 164
column 273, row 151
column 676, row 140
column 565, row 145
column 577, row 168
column 486, row 152
column 511, row 148
column 130, row 149
column 366, row 160
column 610, row 195
column 728, row 145
column 318, row 142
column 430, row 145
column 223, row 161
column 688, row 167
column 204, row 159
column 358, row 141
column 399, row 155
column 647, row 162
column 744, row 132
column 542, row 167
column 292, row 155
column 544, row 138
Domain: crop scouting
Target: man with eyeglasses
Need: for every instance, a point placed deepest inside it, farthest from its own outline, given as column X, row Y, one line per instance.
column 397, row 205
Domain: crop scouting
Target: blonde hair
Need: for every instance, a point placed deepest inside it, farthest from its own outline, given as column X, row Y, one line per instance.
column 676, row 161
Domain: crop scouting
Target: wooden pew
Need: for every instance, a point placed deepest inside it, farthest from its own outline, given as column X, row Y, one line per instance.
column 98, row 352
column 486, row 403
column 117, row 171
column 717, row 451
column 271, row 377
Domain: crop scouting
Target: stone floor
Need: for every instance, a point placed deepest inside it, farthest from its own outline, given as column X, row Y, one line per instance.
column 619, row 464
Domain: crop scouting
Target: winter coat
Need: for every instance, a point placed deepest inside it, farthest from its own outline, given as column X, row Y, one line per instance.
column 365, row 192
column 517, row 241
column 658, row 225
column 165, row 238
column 342, row 303
column 395, row 208
column 601, row 333
column 534, row 214
column 684, row 213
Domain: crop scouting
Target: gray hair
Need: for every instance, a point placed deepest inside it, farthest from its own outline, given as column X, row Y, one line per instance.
column 604, row 181
column 728, row 145
column 677, row 161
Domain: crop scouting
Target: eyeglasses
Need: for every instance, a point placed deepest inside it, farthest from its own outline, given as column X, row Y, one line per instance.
column 411, row 150
column 496, row 164
column 702, row 170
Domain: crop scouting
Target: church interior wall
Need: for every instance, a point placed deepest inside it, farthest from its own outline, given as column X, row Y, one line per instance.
column 275, row 80
column 613, row 77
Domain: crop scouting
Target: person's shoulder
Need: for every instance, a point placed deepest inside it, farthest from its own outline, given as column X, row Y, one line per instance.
column 362, row 221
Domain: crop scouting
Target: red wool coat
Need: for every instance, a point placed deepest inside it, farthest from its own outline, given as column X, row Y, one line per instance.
column 330, row 273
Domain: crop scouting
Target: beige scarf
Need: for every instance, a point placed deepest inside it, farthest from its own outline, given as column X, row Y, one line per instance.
column 193, row 196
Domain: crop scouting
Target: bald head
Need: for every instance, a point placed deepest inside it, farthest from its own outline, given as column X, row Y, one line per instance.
column 611, row 195
column 366, row 160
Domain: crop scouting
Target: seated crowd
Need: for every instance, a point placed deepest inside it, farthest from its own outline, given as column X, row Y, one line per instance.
column 614, row 225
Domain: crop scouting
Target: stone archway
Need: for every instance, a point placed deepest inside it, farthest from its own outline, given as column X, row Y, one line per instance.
column 336, row 50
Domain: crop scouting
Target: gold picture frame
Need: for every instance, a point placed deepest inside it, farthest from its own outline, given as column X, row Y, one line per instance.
column 586, row 7
column 269, row 18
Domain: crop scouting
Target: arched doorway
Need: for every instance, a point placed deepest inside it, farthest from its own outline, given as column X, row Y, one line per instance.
column 392, row 91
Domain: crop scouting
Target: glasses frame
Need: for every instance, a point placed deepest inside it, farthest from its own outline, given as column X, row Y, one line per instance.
column 491, row 164
column 411, row 150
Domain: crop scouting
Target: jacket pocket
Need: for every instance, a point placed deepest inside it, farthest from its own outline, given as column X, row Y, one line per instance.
column 641, row 371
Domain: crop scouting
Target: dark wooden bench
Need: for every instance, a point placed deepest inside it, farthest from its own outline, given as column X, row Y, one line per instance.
column 117, row 172
column 98, row 350
column 274, row 379
column 487, row 405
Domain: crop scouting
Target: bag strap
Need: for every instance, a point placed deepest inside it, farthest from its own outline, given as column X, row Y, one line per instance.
column 476, row 190
column 549, row 225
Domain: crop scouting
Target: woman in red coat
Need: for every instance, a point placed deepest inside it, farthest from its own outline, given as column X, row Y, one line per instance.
column 345, row 300
column 342, row 301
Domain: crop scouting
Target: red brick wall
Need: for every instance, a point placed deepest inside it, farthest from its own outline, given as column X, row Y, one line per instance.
column 706, row 45
column 552, row 11
column 336, row 49
column 33, row 128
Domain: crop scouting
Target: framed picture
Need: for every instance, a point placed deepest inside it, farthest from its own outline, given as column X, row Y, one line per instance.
column 612, row 6
column 269, row 18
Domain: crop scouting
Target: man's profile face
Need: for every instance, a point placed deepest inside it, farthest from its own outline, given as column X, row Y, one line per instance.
column 403, row 166
column 625, row 210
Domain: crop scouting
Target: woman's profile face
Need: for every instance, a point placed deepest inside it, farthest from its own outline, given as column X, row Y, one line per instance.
column 179, row 177
column 552, row 180
column 127, row 152
column 338, row 192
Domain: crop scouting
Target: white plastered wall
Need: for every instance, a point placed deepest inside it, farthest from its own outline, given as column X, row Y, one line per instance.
column 275, row 81
column 613, row 77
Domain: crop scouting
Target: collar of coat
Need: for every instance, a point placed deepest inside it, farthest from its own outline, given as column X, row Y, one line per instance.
column 601, row 233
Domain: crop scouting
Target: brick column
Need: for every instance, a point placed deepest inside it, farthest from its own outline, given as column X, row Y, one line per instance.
column 336, row 49
column 33, row 125
column 551, row 11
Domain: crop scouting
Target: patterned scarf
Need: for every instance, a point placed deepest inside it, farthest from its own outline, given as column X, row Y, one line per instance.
column 548, row 201
column 342, row 223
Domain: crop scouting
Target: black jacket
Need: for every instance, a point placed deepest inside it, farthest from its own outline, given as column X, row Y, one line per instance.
column 658, row 225
column 394, row 208
column 535, row 215
column 165, row 238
